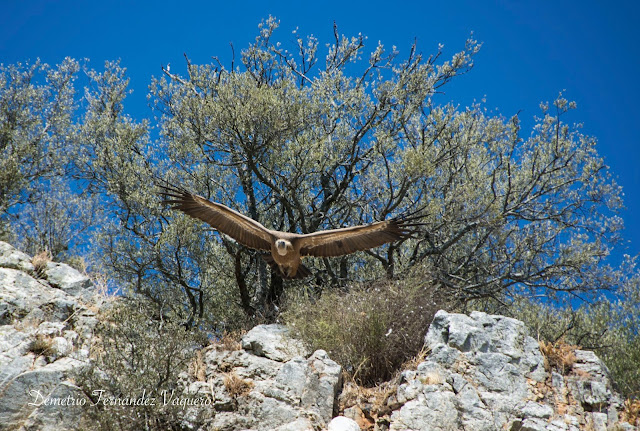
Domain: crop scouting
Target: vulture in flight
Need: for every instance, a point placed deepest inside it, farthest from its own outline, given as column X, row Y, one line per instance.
column 287, row 249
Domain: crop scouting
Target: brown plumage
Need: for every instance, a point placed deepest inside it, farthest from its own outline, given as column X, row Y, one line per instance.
column 287, row 248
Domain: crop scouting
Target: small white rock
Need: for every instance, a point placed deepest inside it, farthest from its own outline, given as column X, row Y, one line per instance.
column 340, row 423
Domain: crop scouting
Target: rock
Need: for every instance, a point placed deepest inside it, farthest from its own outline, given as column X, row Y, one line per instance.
column 60, row 347
column 431, row 410
column 591, row 386
column 24, row 298
column 286, row 392
column 65, row 277
column 30, row 392
column 245, row 364
column 11, row 257
column 301, row 424
column 341, row 423
column 273, row 342
column 323, row 384
column 47, row 416
column 485, row 372
column 536, row 424
column 40, row 345
column 537, row 410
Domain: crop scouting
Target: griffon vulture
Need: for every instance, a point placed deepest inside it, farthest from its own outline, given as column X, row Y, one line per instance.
column 288, row 248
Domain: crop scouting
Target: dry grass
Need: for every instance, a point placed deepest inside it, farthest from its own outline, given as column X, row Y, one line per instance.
column 101, row 285
column 430, row 378
column 539, row 390
column 40, row 261
column 236, row 385
column 42, row 345
column 631, row 412
column 374, row 405
column 412, row 364
column 584, row 375
column 559, row 355
column 230, row 340
column 27, row 324
column 198, row 368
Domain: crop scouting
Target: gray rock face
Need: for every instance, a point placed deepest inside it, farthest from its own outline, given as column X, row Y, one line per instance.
column 273, row 342
column 287, row 393
column 11, row 257
column 64, row 277
column 340, row 423
column 44, row 338
column 46, row 323
column 485, row 373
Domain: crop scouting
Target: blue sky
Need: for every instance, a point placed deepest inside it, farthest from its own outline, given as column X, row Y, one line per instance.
column 531, row 51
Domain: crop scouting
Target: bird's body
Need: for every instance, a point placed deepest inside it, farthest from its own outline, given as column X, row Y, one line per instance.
column 286, row 248
column 285, row 252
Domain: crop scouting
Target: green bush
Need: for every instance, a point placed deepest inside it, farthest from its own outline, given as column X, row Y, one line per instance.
column 139, row 354
column 371, row 330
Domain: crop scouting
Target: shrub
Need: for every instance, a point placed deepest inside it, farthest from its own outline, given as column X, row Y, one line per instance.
column 370, row 330
column 138, row 354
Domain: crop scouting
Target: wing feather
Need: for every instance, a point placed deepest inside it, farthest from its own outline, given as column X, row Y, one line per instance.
column 338, row 242
column 222, row 218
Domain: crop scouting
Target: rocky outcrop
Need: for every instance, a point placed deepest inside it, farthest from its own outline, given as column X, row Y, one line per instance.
column 481, row 372
column 484, row 372
column 47, row 315
column 46, row 319
column 272, row 383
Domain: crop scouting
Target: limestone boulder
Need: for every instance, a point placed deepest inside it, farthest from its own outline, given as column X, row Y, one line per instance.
column 484, row 372
column 45, row 333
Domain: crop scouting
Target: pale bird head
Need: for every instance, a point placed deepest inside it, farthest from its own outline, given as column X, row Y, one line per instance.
column 283, row 246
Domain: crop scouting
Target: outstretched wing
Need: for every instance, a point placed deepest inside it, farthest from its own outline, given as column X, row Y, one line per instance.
column 222, row 218
column 337, row 242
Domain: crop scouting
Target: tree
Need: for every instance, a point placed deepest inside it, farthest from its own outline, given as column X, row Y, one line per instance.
column 36, row 109
column 41, row 209
column 58, row 220
column 301, row 146
column 533, row 214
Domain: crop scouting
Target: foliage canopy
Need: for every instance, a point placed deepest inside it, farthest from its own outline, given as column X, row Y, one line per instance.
column 301, row 142
column 312, row 138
